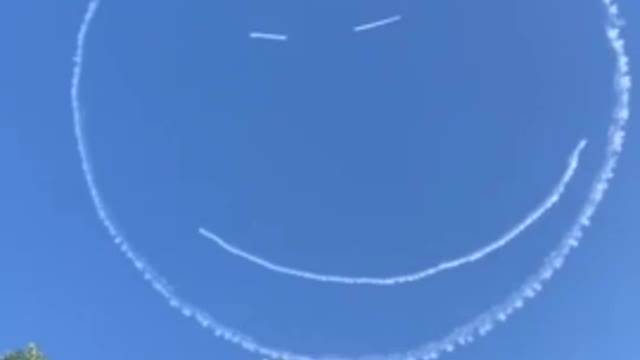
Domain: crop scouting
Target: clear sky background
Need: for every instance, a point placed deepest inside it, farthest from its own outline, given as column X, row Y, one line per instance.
column 376, row 153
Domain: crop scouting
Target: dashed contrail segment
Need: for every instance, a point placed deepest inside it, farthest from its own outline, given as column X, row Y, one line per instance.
column 463, row 335
column 377, row 24
column 472, row 257
column 268, row 36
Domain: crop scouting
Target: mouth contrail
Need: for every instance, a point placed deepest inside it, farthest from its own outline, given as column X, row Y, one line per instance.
column 465, row 334
column 376, row 24
column 477, row 255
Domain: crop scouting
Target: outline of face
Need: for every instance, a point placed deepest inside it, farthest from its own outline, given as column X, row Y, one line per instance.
column 462, row 335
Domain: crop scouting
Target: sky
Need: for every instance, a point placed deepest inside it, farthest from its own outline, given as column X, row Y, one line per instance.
column 374, row 153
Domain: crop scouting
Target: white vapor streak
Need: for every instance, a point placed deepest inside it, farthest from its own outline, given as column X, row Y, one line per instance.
column 463, row 335
column 149, row 274
column 472, row 257
column 379, row 23
column 268, row 36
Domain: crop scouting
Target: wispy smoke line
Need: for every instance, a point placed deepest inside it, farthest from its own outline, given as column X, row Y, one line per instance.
column 465, row 334
column 146, row 270
column 477, row 255
column 268, row 36
column 376, row 24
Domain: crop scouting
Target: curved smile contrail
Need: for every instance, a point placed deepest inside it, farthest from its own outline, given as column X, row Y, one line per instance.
column 472, row 257
column 466, row 333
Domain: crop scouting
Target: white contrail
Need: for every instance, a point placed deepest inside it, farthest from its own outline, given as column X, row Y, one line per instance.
column 551, row 199
column 148, row 273
column 463, row 335
column 379, row 23
column 268, row 36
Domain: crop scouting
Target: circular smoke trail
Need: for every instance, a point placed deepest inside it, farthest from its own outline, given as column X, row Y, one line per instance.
column 462, row 335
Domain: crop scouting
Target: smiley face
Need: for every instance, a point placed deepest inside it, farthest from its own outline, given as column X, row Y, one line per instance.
column 460, row 336
column 472, row 256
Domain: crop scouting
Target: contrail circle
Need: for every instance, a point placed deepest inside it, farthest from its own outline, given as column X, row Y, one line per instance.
column 462, row 335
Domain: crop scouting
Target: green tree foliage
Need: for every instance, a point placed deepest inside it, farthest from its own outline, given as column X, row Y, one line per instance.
column 30, row 353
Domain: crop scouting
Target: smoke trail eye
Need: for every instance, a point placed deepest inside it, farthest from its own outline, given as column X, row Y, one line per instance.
column 377, row 23
column 268, row 36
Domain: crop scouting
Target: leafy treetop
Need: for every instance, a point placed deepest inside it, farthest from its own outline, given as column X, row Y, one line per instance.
column 30, row 353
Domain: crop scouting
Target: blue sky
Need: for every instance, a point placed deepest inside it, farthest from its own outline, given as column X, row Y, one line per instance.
column 369, row 154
